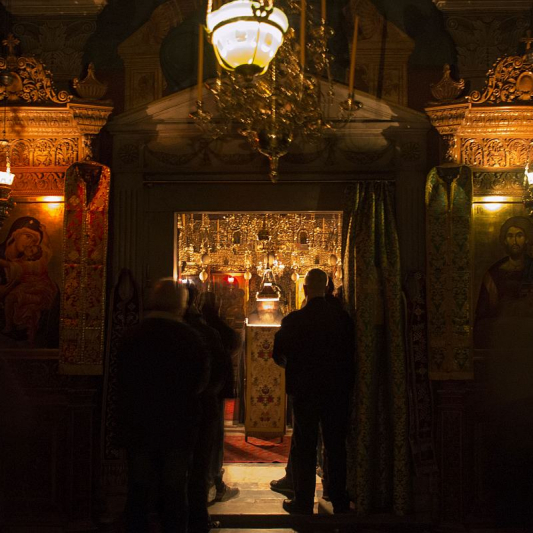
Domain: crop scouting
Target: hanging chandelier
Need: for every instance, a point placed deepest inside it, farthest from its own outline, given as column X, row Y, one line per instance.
column 271, row 106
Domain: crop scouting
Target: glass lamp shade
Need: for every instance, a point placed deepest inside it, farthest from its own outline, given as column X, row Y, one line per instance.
column 246, row 36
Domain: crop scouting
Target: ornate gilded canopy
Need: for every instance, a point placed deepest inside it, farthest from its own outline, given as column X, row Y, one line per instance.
column 490, row 130
column 47, row 130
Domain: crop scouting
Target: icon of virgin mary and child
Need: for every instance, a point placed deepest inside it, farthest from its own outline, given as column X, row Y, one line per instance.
column 27, row 292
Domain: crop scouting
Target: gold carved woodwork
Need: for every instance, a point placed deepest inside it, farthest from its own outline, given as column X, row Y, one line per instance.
column 29, row 184
column 510, row 80
column 496, row 153
column 72, row 120
column 32, row 83
column 492, row 129
column 499, row 183
column 447, row 89
column 90, row 118
column 51, row 152
column 43, row 127
column 90, row 87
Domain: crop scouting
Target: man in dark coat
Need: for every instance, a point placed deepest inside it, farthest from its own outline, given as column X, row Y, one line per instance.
column 163, row 368
column 200, row 473
column 316, row 346
column 210, row 308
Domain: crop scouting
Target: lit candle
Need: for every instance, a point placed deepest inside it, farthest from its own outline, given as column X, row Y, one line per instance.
column 219, row 75
column 302, row 34
column 200, row 61
column 323, row 10
column 352, row 59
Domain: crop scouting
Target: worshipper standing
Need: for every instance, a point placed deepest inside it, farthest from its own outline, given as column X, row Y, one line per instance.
column 199, row 519
column 163, row 368
column 285, row 485
column 210, row 309
column 316, row 346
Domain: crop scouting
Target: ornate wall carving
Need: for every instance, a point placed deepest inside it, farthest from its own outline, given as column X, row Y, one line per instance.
column 39, row 183
column 42, row 152
column 59, row 42
column 483, row 31
column 495, row 153
column 499, row 183
column 482, row 40
column 491, row 128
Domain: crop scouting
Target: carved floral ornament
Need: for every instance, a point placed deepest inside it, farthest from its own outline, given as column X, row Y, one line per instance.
column 511, row 79
column 491, row 128
column 32, row 82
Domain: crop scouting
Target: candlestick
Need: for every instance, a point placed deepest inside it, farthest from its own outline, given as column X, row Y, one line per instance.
column 200, row 61
column 352, row 59
column 302, row 34
column 323, row 10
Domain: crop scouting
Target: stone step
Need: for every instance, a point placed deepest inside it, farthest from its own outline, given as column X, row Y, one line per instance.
column 320, row 523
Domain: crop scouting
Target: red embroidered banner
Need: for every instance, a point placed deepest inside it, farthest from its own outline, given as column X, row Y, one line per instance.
column 85, row 235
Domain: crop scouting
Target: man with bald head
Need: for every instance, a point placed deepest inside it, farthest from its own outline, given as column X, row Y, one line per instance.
column 316, row 346
column 163, row 368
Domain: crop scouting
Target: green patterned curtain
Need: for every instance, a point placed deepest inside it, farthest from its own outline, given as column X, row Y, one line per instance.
column 449, row 192
column 378, row 455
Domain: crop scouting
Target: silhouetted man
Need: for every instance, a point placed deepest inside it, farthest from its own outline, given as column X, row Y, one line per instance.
column 210, row 309
column 163, row 367
column 316, row 346
column 204, row 448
